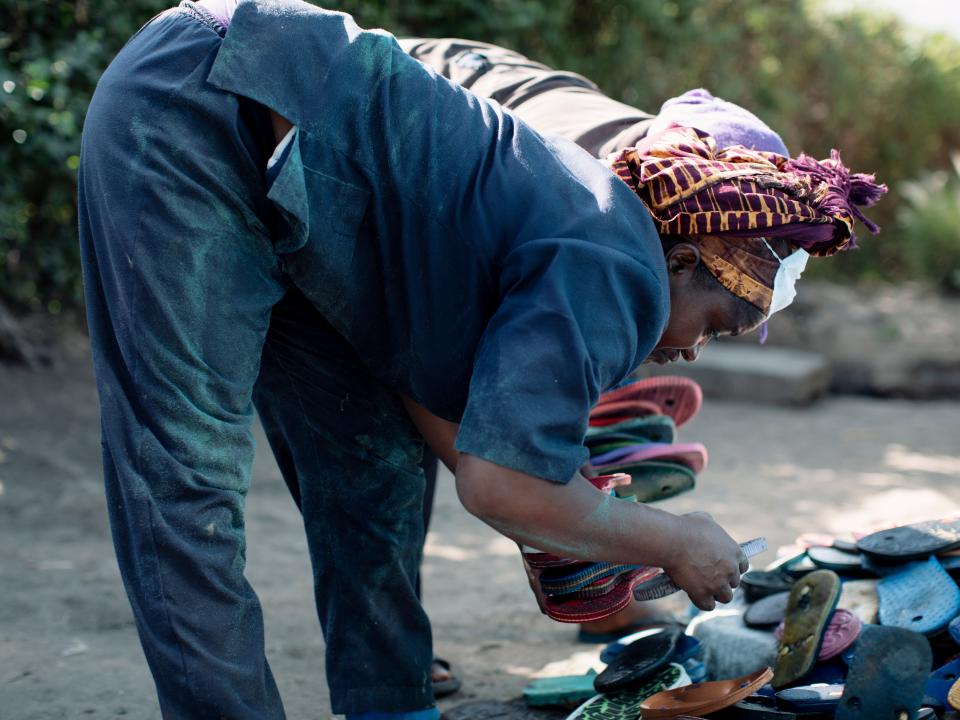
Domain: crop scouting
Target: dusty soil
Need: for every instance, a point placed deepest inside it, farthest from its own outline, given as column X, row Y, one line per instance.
column 68, row 648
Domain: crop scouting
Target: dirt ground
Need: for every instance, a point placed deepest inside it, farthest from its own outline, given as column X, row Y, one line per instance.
column 68, row 648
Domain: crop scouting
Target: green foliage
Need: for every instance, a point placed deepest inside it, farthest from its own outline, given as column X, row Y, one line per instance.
column 930, row 220
column 52, row 54
column 856, row 82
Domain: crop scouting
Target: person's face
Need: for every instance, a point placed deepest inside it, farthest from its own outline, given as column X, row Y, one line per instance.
column 697, row 313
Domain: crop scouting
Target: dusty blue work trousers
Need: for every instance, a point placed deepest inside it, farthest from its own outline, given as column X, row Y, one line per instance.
column 193, row 318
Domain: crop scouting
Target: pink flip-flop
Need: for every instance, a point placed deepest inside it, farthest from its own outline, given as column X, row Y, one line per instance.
column 678, row 397
column 842, row 630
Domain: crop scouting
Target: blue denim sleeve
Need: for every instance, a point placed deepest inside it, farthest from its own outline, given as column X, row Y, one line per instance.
column 576, row 318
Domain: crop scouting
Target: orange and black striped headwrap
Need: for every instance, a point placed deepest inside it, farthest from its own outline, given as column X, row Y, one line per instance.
column 729, row 200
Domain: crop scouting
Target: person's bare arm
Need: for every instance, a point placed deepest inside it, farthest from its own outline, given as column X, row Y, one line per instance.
column 576, row 520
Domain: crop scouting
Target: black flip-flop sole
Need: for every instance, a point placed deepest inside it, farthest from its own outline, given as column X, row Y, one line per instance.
column 912, row 542
column 640, row 660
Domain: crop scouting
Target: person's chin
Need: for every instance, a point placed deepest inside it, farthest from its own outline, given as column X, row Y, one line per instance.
column 658, row 357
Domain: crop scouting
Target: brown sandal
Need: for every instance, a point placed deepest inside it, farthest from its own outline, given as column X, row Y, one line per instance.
column 703, row 698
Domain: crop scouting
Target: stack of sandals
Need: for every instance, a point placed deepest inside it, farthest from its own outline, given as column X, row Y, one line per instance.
column 631, row 440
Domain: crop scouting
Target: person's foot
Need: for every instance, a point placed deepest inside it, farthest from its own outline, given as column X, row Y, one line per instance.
column 443, row 680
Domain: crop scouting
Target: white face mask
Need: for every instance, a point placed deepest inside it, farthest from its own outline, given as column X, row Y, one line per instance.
column 784, row 284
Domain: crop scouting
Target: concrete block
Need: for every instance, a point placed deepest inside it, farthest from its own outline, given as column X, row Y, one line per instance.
column 768, row 375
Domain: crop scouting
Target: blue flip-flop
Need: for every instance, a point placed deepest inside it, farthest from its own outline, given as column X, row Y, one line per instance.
column 942, row 679
column 921, row 596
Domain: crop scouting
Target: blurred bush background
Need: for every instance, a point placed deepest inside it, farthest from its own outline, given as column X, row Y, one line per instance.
column 886, row 96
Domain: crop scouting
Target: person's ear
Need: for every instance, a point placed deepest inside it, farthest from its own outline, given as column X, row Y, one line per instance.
column 682, row 258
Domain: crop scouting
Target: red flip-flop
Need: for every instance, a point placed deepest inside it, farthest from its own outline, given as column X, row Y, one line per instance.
column 619, row 411
column 678, row 397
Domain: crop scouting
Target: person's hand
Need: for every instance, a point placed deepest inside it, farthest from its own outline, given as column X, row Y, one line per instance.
column 707, row 563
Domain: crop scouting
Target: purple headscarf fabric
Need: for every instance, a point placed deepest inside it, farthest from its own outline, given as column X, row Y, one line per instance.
column 727, row 123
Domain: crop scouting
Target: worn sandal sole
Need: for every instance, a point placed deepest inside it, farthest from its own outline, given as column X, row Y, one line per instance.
column 921, row 596
column 691, row 455
column 912, row 542
column 617, row 412
column 809, row 608
column 678, row 397
column 639, row 661
column 654, row 428
column 703, row 698
column 889, row 669
column 656, row 480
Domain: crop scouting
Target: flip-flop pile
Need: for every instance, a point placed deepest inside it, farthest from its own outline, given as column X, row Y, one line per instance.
column 633, row 430
column 631, row 442
column 860, row 623
column 651, row 674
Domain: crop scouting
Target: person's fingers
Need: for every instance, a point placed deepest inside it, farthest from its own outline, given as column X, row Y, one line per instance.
column 735, row 579
column 724, row 596
column 744, row 563
column 703, row 602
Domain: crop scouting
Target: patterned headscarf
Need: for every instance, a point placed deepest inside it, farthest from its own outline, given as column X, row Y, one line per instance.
column 728, row 201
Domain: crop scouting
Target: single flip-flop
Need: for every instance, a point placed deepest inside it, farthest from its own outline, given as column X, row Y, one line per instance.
column 758, row 584
column 819, row 698
column 626, row 704
column 615, row 412
column 860, row 597
column 567, row 690
column 703, row 698
column 449, row 686
column 840, row 634
column 842, row 562
column 888, row 671
column 693, row 455
column 640, row 660
column 656, row 480
column 912, row 542
column 653, row 428
column 809, row 608
column 942, row 680
column 920, row 596
column 768, row 611
column 678, row 397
